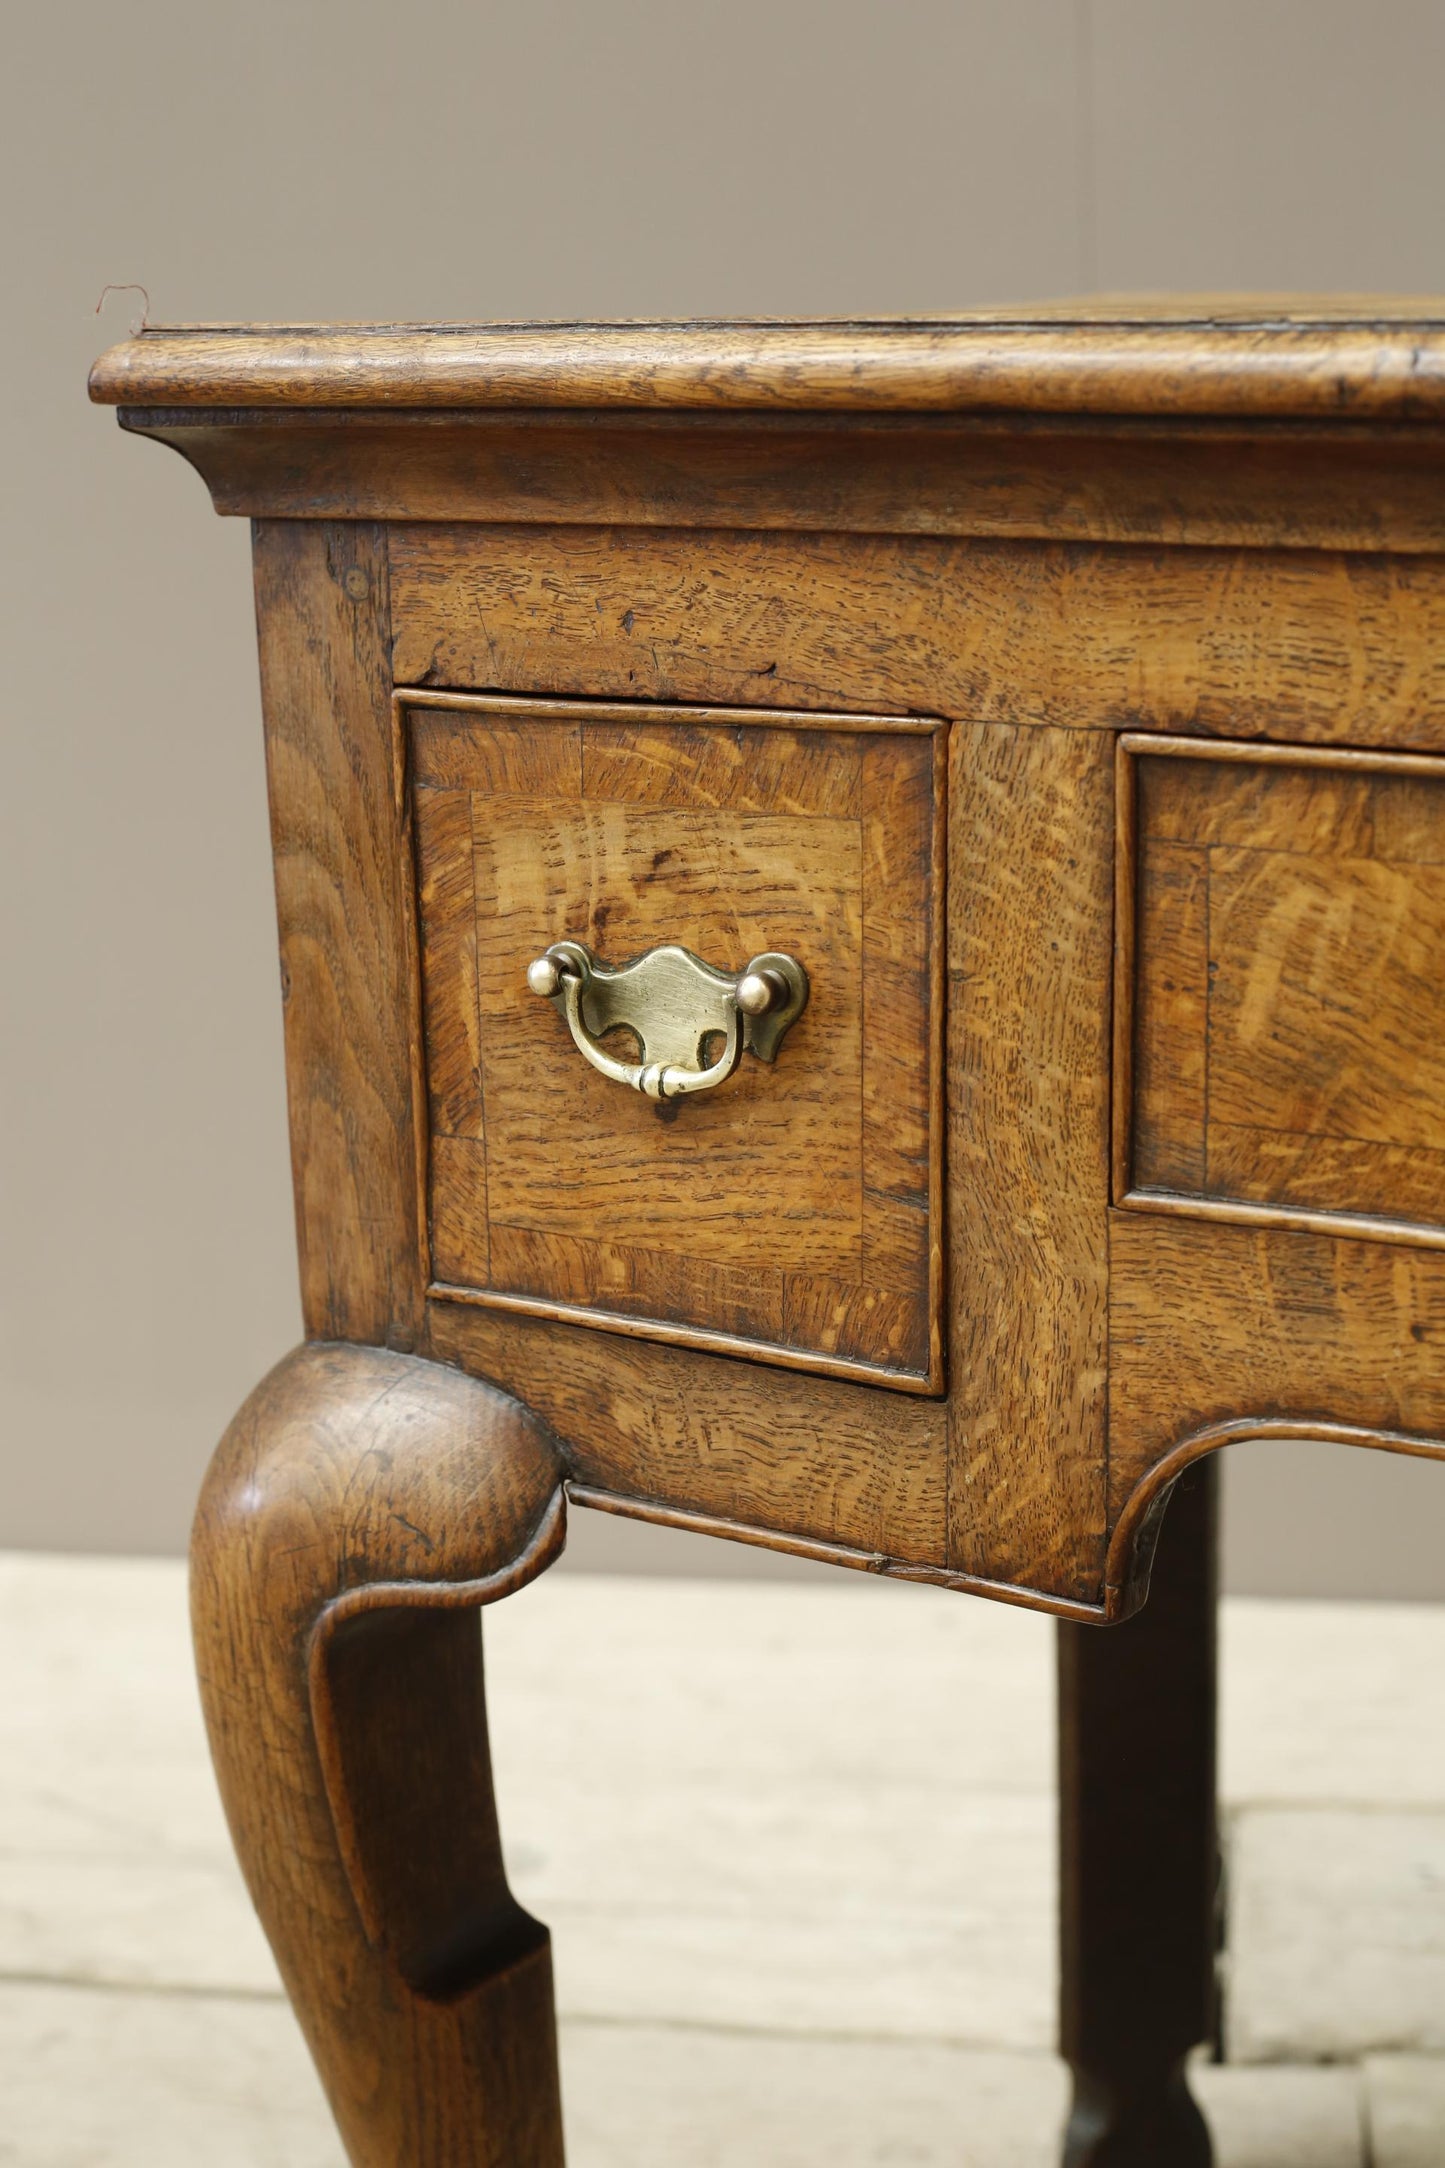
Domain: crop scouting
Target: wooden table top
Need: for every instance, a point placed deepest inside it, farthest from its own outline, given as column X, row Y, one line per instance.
column 1193, row 356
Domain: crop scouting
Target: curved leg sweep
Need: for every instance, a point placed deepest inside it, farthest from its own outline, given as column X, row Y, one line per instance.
column 359, row 1509
column 1140, row 1853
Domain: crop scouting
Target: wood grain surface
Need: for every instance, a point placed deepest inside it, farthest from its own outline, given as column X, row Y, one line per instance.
column 797, row 1206
column 1151, row 602
column 342, row 891
column 1030, row 951
column 1289, row 1023
column 695, row 1433
column 1299, row 644
column 1251, row 566
column 1266, row 357
column 358, row 1511
column 1259, row 485
column 1028, row 1070
column 1209, row 1323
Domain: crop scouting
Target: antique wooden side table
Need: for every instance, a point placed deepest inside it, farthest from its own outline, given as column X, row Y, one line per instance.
column 862, row 910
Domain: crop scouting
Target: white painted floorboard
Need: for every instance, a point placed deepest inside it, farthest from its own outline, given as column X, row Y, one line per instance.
column 795, row 1843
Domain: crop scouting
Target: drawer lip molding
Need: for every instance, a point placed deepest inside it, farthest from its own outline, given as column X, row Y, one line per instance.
column 492, row 794
column 1138, row 1037
column 671, row 1335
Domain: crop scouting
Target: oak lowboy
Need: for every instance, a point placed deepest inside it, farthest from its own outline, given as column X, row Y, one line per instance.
column 861, row 911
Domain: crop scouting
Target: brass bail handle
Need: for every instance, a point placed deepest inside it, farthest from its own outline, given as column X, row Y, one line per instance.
column 674, row 1003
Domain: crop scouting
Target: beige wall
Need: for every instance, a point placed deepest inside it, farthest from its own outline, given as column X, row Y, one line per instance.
column 429, row 160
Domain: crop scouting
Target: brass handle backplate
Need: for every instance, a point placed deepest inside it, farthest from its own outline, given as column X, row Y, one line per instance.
column 673, row 1002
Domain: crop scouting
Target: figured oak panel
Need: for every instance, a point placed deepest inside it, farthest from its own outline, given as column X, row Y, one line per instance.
column 1252, row 485
column 339, row 842
column 1030, row 931
column 1221, row 1324
column 1284, row 644
column 761, row 1452
column 1287, row 919
column 792, row 1213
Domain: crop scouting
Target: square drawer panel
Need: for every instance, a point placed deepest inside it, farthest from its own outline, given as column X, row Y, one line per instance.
column 1284, row 1011
column 791, row 1214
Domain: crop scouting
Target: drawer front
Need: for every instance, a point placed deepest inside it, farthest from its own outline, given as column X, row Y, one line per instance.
column 1284, row 1007
column 792, row 1213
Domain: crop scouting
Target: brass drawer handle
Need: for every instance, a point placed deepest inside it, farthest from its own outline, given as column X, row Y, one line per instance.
column 673, row 1001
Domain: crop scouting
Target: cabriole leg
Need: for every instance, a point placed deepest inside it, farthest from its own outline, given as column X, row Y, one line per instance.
column 359, row 1509
column 1139, row 1853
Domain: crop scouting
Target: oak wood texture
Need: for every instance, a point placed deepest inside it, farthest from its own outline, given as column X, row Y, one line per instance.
column 1165, row 589
column 677, row 1433
column 667, row 1430
column 969, row 1500
column 1219, row 1332
column 359, row 1509
column 1278, row 358
column 1220, row 522
column 1140, row 1901
column 342, row 888
column 1281, row 1012
column 794, row 1214
column 1292, row 644
column 1030, row 956
column 1260, row 484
